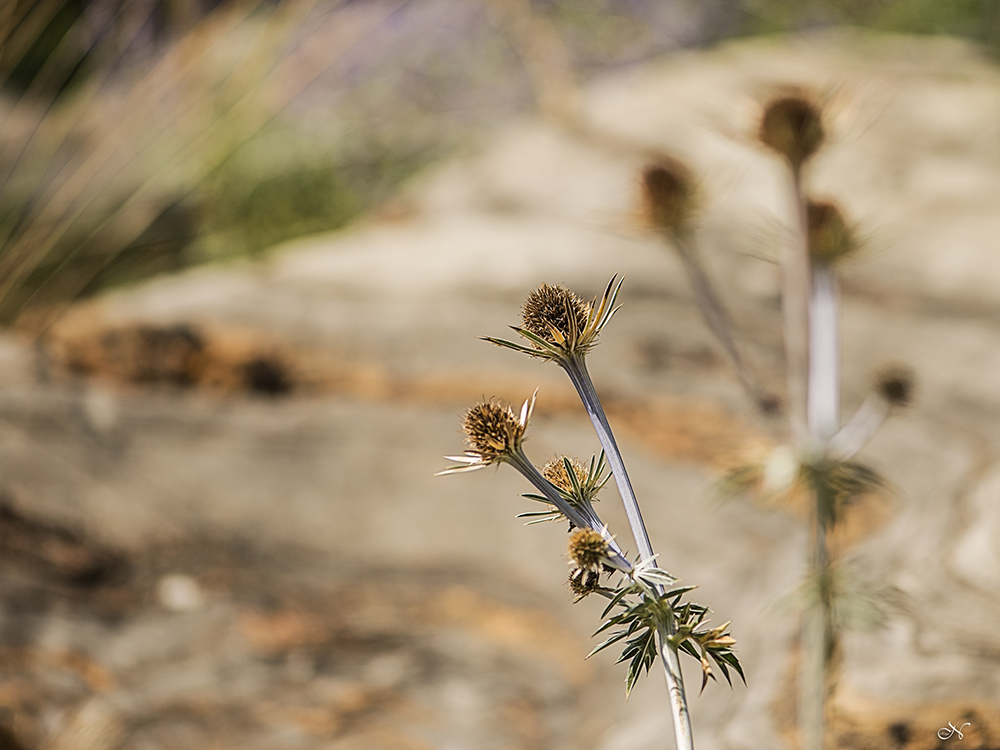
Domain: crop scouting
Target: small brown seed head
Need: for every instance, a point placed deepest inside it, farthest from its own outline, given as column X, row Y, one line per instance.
column 830, row 236
column 549, row 307
column 668, row 194
column 493, row 430
column 584, row 582
column 555, row 472
column 792, row 125
column 587, row 548
column 895, row 384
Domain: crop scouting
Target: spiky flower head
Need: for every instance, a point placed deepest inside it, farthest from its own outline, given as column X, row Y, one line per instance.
column 575, row 483
column 555, row 472
column 492, row 430
column 553, row 313
column 584, row 483
column 588, row 548
column 792, row 125
column 493, row 433
column 831, row 238
column 895, row 385
column 559, row 325
column 668, row 194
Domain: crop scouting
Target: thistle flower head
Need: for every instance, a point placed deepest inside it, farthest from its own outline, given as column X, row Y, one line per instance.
column 555, row 471
column 587, row 548
column 830, row 236
column 559, row 325
column 668, row 194
column 895, row 385
column 553, row 313
column 583, row 484
column 792, row 125
column 493, row 432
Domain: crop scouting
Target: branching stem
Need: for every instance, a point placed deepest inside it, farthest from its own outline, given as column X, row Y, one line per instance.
column 520, row 462
column 576, row 368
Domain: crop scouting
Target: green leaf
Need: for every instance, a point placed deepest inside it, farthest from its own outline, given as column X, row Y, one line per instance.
column 511, row 345
column 615, row 601
column 677, row 593
column 687, row 647
column 730, row 658
column 654, row 576
column 539, row 498
column 644, row 655
column 609, row 642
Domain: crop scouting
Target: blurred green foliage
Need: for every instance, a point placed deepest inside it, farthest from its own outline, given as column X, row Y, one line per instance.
column 280, row 186
column 978, row 20
column 36, row 58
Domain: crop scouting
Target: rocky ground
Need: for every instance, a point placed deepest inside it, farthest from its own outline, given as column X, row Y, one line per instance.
column 221, row 526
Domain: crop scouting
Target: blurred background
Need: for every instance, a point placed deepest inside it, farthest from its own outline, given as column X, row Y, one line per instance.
column 246, row 250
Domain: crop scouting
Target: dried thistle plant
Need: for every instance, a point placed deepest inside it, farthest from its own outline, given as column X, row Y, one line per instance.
column 646, row 609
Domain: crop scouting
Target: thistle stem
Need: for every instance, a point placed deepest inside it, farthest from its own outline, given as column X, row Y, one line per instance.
column 714, row 314
column 795, row 283
column 824, row 356
column 809, row 308
column 817, row 629
column 859, row 429
column 576, row 368
column 824, row 420
column 669, row 656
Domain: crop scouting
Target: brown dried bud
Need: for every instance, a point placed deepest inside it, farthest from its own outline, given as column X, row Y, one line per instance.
column 895, row 384
column 830, row 237
column 587, row 548
column 493, row 430
column 584, row 582
column 555, row 472
column 668, row 194
column 554, row 307
column 792, row 125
